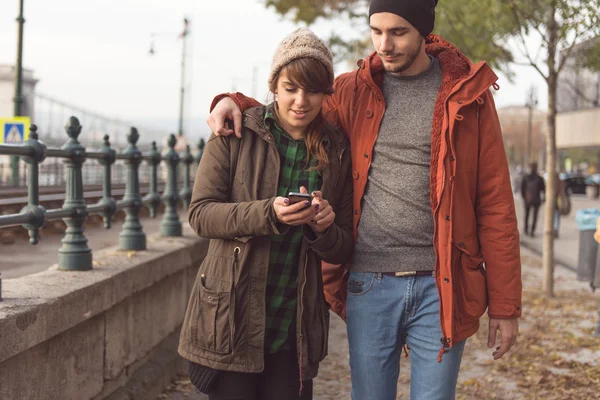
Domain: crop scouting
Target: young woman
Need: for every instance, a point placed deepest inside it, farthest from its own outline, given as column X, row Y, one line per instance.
column 257, row 322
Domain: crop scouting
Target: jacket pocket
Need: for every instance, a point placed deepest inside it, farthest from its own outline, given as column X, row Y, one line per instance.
column 317, row 346
column 470, row 281
column 335, row 286
column 212, row 331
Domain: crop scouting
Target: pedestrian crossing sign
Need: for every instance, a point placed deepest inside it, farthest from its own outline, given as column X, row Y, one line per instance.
column 14, row 130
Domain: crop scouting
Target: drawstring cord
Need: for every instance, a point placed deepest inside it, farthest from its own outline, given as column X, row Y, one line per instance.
column 355, row 92
column 236, row 252
column 300, row 374
column 443, row 351
column 301, row 312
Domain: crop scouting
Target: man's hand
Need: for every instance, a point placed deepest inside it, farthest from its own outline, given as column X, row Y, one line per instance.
column 295, row 214
column 509, row 329
column 225, row 109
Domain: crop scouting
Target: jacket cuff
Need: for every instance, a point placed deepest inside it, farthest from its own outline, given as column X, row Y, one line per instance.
column 321, row 244
column 277, row 227
column 217, row 99
column 504, row 310
column 240, row 100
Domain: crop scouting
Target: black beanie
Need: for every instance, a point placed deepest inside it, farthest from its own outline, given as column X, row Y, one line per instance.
column 419, row 13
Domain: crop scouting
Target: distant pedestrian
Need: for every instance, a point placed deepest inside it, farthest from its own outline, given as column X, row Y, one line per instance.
column 563, row 204
column 533, row 189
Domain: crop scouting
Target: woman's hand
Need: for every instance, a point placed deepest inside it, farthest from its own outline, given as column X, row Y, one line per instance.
column 295, row 214
column 325, row 214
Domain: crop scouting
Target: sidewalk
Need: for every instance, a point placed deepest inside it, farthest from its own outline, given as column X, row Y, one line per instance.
column 566, row 247
column 556, row 357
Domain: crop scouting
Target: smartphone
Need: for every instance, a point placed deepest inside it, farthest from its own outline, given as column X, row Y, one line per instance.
column 296, row 197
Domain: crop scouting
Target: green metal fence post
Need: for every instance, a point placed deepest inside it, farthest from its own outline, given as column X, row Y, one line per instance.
column 153, row 198
column 132, row 236
column 110, row 205
column 198, row 156
column 37, row 213
column 74, row 253
column 186, row 192
column 170, row 224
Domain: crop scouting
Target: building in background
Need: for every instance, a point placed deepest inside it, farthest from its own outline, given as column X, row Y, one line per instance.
column 7, row 91
column 578, row 86
column 578, row 119
column 514, row 121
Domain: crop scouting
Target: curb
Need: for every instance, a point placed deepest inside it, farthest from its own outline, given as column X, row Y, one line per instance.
column 557, row 260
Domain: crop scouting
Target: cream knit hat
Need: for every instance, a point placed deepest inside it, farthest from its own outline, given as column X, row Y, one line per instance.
column 302, row 43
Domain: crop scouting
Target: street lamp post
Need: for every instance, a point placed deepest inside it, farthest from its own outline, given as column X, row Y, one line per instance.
column 183, row 36
column 531, row 104
column 182, row 90
column 18, row 99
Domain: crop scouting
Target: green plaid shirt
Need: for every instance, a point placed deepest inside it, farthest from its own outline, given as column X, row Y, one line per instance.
column 282, row 279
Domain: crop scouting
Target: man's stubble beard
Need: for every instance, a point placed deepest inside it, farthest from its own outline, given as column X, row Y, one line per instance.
column 411, row 55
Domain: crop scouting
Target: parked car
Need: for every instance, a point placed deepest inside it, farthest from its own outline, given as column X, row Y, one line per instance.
column 575, row 185
column 583, row 185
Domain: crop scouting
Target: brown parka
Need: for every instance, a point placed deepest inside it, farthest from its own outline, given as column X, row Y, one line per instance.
column 232, row 204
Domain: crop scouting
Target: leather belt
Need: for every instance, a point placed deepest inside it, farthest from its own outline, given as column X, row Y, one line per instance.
column 409, row 273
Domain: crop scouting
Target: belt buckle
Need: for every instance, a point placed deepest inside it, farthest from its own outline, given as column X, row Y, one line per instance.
column 406, row 273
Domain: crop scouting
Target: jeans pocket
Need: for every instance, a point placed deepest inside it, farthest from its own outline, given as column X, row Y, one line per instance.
column 360, row 283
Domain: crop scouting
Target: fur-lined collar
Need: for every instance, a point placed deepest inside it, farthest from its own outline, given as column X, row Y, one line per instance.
column 456, row 67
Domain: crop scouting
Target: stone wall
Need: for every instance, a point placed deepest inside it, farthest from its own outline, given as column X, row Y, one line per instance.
column 96, row 334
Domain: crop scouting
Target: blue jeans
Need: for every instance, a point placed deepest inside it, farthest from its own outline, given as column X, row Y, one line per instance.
column 383, row 314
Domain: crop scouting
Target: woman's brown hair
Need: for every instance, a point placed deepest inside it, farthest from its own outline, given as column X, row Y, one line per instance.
column 311, row 74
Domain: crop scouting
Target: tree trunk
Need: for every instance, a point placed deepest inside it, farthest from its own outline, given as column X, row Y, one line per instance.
column 551, row 184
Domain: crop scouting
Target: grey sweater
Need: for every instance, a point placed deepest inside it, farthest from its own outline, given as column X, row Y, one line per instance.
column 395, row 232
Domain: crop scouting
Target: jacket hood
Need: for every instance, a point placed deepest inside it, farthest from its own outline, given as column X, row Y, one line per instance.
column 456, row 67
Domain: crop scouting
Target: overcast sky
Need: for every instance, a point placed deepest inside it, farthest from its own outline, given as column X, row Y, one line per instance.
column 94, row 53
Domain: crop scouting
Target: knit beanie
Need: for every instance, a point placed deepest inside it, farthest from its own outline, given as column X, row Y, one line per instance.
column 419, row 13
column 302, row 43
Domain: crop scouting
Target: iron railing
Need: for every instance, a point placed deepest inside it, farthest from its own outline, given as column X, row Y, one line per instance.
column 74, row 254
column 53, row 172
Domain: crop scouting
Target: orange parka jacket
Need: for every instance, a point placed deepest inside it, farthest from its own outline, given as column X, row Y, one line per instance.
column 476, row 238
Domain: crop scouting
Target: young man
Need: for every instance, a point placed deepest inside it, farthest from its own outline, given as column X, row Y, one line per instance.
column 437, row 242
column 532, row 190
